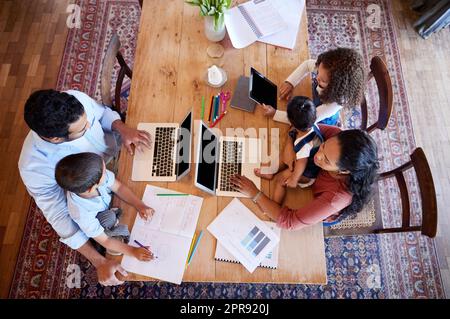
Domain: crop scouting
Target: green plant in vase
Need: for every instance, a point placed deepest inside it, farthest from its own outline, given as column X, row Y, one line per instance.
column 213, row 11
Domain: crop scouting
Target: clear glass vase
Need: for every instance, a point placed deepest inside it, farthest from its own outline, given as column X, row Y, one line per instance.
column 211, row 33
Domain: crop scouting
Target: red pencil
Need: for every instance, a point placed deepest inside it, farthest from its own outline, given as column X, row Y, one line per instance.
column 220, row 117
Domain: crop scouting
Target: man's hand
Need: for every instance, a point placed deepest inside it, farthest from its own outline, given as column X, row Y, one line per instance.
column 268, row 110
column 131, row 136
column 106, row 273
column 286, row 90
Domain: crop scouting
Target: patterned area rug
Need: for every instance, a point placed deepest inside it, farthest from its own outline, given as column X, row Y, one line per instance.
column 388, row 266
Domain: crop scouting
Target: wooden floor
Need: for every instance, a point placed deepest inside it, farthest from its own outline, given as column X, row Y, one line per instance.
column 32, row 37
column 426, row 70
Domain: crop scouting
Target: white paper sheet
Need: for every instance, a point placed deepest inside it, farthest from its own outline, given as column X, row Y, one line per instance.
column 243, row 234
column 168, row 234
column 291, row 11
column 174, row 214
column 265, row 17
column 269, row 261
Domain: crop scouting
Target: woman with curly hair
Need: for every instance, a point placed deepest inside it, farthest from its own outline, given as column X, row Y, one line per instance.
column 338, row 78
column 348, row 161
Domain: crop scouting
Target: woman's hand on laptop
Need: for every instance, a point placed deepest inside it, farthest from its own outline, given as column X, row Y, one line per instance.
column 286, row 90
column 244, row 185
column 268, row 110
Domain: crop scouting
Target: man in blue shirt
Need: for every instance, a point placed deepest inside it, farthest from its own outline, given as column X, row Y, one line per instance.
column 64, row 123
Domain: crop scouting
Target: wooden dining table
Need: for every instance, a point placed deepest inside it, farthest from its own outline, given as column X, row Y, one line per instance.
column 169, row 78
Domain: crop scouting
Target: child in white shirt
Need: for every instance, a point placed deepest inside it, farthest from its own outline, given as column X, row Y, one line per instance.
column 89, row 187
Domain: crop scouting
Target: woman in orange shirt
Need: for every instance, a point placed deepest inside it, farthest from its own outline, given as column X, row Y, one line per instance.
column 348, row 161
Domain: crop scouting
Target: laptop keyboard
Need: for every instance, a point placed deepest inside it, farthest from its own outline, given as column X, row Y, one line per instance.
column 231, row 164
column 163, row 152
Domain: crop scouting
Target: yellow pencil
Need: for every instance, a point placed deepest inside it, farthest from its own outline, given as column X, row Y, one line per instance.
column 190, row 250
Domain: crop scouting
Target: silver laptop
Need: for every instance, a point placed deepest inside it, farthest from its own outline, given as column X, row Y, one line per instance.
column 220, row 157
column 169, row 157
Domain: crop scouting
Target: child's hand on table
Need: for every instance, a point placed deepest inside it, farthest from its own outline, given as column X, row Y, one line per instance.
column 145, row 212
column 268, row 111
column 142, row 254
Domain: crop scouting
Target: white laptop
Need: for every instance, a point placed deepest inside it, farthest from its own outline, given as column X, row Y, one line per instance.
column 220, row 157
column 169, row 157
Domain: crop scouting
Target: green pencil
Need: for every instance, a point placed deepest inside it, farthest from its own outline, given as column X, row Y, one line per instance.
column 203, row 107
column 172, row 194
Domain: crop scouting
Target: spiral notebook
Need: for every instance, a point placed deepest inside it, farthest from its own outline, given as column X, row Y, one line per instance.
column 251, row 21
column 269, row 261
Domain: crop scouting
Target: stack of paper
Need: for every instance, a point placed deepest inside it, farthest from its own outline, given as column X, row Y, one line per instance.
column 269, row 261
column 243, row 235
column 270, row 21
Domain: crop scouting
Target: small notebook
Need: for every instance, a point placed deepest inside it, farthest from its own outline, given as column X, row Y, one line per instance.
column 269, row 261
column 253, row 20
column 240, row 98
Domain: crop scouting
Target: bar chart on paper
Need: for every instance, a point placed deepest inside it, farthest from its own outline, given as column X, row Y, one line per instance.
column 249, row 241
column 255, row 241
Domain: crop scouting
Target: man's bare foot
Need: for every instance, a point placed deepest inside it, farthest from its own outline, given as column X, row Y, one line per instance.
column 263, row 176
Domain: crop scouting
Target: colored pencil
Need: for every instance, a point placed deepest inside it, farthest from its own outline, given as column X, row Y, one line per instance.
column 195, row 246
column 190, row 250
column 217, row 108
column 220, row 117
column 210, row 108
column 203, row 107
column 172, row 194
column 213, row 110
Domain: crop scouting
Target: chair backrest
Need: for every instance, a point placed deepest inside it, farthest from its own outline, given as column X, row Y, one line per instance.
column 113, row 53
column 380, row 73
column 428, row 195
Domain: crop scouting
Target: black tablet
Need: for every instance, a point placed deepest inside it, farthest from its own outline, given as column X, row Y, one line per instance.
column 261, row 89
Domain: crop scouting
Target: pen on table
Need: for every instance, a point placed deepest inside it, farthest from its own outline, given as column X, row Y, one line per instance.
column 203, row 107
column 140, row 245
column 190, row 250
column 220, row 117
column 179, row 194
column 195, row 246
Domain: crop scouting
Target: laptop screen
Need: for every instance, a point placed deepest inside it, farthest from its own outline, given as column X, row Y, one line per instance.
column 262, row 90
column 184, row 145
column 207, row 160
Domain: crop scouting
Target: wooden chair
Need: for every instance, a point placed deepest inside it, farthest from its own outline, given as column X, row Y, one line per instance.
column 113, row 53
column 428, row 226
column 379, row 72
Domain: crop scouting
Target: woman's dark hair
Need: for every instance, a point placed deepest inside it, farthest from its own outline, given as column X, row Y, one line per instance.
column 49, row 113
column 77, row 173
column 301, row 112
column 358, row 156
column 347, row 76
